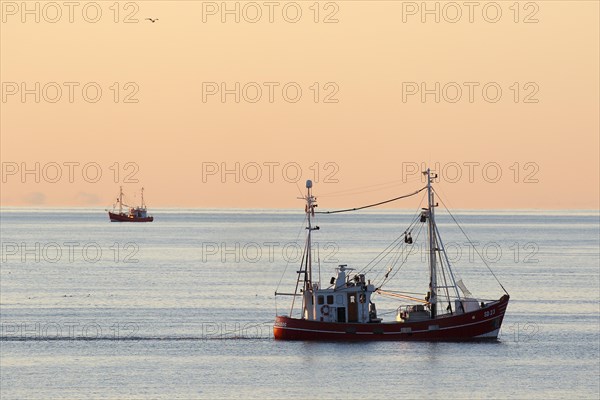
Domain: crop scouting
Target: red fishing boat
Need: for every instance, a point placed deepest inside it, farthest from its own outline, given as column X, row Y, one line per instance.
column 133, row 214
column 345, row 311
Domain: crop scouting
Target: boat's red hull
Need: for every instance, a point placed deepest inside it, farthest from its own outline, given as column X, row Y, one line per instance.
column 126, row 218
column 483, row 324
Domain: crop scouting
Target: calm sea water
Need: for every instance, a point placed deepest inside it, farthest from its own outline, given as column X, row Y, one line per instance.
column 183, row 307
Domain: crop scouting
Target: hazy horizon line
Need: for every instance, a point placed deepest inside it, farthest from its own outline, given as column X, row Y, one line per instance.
column 295, row 209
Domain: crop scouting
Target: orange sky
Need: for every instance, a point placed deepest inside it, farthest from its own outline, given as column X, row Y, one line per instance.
column 177, row 137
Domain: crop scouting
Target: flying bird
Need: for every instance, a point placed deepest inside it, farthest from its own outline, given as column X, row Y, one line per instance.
column 153, row 20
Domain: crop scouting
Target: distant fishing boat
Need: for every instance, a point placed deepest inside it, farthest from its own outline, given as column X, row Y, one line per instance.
column 133, row 214
column 344, row 310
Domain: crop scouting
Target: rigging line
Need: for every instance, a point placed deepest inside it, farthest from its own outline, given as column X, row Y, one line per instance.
column 450, row 271
column 423, row 294
column 288, row 263
column 403, row 292
column 403, row 262
column 389, row 278
column 375, row 261
column 387, row 312
column 456, row 273
column 471, row 242
column 416, row 219
column 409, row 229
column 396, row 181
column 385, row 252
column 394, row 266
column 372, row 205
column 380, row 257
column 420, row 202
column 396, row 250
column 319, row 261
column 359, row 192
column 400, row 296
column 298, row 282
column 318, row 243
column 437, row 245
column 394, row 254
column 396, row 243
column 299, row 190
column 395, row 258
column 390, row 183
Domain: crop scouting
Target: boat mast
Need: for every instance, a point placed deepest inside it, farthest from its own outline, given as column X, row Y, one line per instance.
column 120, row 199
column 431, row 232
column 310, row 204
column 143, row 205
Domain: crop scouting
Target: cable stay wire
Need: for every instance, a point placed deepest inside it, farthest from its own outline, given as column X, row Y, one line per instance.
column 389, row 278
column 395, row 245
column 400, row 250
column 374, row 187
column 288, row 261
column 397, row 242
column 470, row 241
column 373, row 205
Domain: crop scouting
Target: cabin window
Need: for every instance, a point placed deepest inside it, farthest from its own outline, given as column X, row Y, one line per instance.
column 320, row 300
column 339, row 299
column 353, row 299
column 330, row 299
